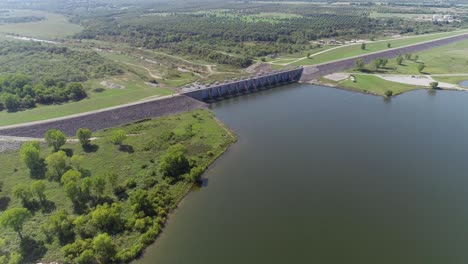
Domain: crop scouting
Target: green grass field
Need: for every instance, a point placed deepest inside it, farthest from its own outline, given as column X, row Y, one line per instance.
column 448, row 59
column 207, row 140
column 354, row 50
column 451, row 79
column 54, row 26
column 375, row 85
column 135, row 89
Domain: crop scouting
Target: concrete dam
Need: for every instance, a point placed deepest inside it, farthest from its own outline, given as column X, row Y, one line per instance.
column 245, row 86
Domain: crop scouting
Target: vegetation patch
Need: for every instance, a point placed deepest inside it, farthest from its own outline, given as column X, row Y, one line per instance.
column 104, row 199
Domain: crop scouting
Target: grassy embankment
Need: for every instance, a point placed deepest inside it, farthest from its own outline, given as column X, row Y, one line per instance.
column 199, row 131
column 371, row 84
column 449, row 59
column 355, row 50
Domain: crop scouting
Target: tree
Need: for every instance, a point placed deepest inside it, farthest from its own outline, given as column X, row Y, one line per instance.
column 140, row 202
column 56, row 165
column 118, row 137
column 434, row 85
column 84, row 136
column 399, row 60
column 421, row 67
column 23, row 192
column 376, row 65
column 76, row 91
column 196, row 173
column 408, row 56
column 11, row 102
column 383, row 62
column 359, row 63
column 75, row 162
column 308, row 55
column 416, row 57
column 61, row 224
column 70, row 181
column 15, row 218
column 388, row 93
column 108, row 218
column 174, row 162
column 38, row 188
column 104, row 248
column 55, row 138
column 363, row 46
column 99, row 184
column 389, row 45
column 30, row 154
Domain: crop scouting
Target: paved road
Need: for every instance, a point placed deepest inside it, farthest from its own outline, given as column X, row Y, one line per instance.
column 319, row 70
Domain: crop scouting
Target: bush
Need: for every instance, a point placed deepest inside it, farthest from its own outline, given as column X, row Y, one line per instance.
column 84, row 136
column 118, row 137
column 388, row 93
column 55, row 138
column 434, row 85
column 174, row 163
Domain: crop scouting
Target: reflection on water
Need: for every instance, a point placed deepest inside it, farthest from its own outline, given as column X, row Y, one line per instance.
column 321, row 175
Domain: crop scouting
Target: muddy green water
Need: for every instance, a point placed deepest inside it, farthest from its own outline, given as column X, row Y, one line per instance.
column 326, row 176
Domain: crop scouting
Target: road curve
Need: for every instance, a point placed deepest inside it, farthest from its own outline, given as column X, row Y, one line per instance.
column 314, row 71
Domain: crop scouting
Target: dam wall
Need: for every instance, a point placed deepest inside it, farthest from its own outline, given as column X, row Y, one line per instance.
column 245, row 86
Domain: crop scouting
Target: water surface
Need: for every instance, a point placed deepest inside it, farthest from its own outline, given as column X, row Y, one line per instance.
column 326, row 176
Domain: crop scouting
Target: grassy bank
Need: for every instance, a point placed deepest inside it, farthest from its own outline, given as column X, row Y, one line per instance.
column 447, row 59
column 371, row 84
column 137, row 166
column 354, row 50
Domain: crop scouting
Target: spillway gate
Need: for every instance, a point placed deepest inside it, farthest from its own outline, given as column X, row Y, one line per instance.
column 245, row 86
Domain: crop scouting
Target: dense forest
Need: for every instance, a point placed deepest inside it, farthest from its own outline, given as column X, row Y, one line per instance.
column 237, row 35
column 35, row 73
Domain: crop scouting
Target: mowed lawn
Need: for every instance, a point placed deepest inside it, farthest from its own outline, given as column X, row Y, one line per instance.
column 375, row 85
column 135, row 89
column 54, row 26
column 448, row 59
column 355, row 50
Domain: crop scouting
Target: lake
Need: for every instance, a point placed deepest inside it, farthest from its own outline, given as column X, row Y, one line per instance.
column 322, row 175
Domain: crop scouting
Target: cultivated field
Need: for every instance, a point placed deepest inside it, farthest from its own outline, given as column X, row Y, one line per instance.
column 54, row 26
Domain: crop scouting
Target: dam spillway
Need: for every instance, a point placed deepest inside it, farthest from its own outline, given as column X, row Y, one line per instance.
column 245, row 86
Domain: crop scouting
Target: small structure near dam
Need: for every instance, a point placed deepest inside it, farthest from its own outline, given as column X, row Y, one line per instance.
column 245, row 86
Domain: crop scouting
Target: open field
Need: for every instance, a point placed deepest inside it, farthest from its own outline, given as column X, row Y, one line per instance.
column 203, row 136
column 355, row 49
column 375, row 85
column 451, row 79
column 135, row 89
column 54, row 26
column 448, row 59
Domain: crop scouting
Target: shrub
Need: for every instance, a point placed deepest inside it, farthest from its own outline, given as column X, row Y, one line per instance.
column 388, row 93
column 55, row 138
